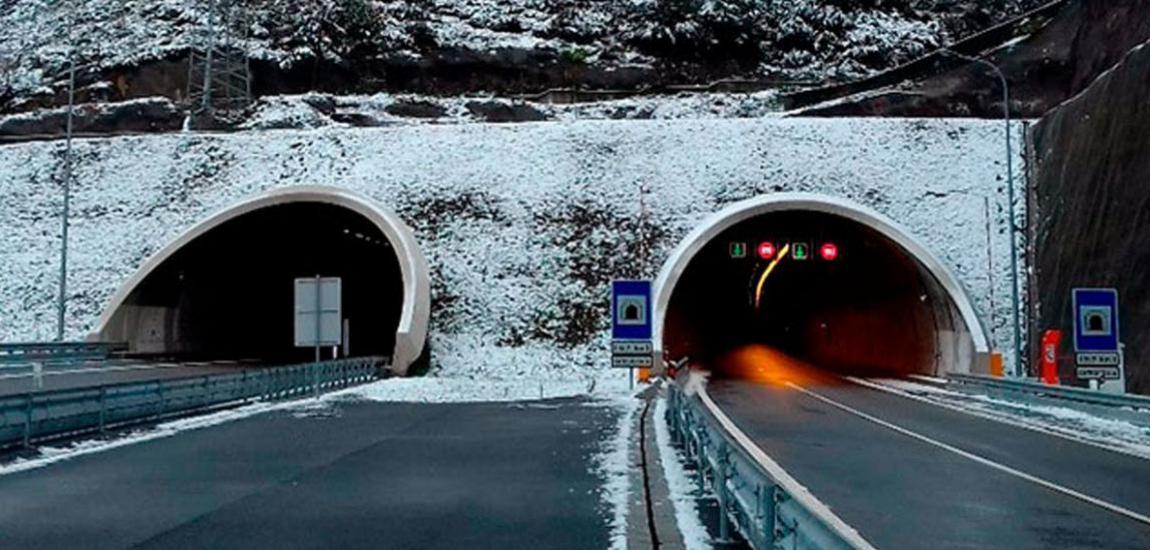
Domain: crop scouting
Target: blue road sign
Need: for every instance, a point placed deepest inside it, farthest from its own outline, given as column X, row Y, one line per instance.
column 1096, row 319
column 631, row 310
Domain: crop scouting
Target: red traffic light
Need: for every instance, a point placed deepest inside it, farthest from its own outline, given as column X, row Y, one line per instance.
column 767, row 250
column 829, row 251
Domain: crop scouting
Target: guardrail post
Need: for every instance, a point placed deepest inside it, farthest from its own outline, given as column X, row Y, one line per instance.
column 779, row 528
column 163, row 401
column 103, row 408
column 314, row 380
column 720, row 484
column 28, row 422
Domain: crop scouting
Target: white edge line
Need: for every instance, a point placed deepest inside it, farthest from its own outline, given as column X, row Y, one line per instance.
column 1002, row 419
column 929, row 379
column 789, row 484
column 979, row 459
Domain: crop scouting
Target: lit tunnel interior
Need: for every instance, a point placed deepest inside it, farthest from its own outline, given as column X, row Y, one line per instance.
column 229, row 293
column 827, row 291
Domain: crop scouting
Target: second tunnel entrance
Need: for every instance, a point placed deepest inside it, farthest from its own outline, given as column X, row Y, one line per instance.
column 228, row 292
column 814, row 285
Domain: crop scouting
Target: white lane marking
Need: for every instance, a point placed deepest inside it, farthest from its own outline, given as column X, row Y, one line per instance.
column 979, row 459
column 106, row 369
column 789, row 484
column 1002, row 418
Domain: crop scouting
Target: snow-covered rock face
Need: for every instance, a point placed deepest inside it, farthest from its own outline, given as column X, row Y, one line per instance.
column 809, row 39
column 523, row 225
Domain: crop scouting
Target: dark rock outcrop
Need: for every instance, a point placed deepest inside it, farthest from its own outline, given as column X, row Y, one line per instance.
column 416, row 109
column 1063, row 51
column 503, row 111
column 1091, row 214
column 139, row 116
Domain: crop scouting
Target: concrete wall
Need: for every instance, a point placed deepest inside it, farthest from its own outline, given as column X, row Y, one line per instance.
column 523, row 225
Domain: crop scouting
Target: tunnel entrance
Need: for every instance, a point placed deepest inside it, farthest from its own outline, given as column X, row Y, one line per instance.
column 225, row 290
column 816, row 281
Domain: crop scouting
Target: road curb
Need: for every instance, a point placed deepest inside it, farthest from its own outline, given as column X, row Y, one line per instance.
column 651, row 514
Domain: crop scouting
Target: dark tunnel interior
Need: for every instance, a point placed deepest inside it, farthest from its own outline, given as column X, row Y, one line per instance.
column 862, row 305
column 229, row 293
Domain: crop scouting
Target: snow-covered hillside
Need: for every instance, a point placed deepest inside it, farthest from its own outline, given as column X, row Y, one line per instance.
column 523, row 225
column 344, row 44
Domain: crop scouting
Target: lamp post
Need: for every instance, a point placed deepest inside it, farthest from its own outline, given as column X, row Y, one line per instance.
column 1010, row 204
column 62, row 298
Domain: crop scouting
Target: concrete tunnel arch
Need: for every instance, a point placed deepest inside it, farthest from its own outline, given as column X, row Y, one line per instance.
column 411, row 331
column 970, row 347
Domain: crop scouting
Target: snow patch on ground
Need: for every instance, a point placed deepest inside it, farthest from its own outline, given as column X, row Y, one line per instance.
column 299, row 111
column 611, row 384
column 1078, row 424
column 681, row 487
column 613, row 465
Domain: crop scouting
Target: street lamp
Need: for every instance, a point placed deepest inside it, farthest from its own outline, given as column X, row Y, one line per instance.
column 62, row 298
column 1010, row 203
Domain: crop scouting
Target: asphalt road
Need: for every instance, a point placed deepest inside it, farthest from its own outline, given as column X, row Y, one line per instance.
column 359, row 475
column 902, row 492
column 17, row 380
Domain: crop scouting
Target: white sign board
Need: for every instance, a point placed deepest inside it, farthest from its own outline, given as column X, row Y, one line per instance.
column 318, row 316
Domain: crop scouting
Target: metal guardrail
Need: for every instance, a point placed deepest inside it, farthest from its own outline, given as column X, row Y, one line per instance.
column 1069, row 393
column 34, row 416
column 33, row 352
column 756, row 496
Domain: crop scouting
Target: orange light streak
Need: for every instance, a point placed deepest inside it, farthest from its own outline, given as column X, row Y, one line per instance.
column 767, row 273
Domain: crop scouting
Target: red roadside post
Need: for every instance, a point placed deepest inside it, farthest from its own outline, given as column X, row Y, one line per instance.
column 1051, row 343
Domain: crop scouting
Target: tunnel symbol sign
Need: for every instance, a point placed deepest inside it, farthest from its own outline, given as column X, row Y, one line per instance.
column 1095, row 320
column 631, row 310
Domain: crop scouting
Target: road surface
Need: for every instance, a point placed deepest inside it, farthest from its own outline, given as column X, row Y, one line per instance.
column 358, row 475
column 908, row 474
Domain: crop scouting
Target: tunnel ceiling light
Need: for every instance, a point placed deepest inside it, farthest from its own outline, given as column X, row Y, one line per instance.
column 767, row 250
column 829, row 251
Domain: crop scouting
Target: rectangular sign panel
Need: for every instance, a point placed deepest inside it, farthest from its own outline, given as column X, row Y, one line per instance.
column 632, row 347
column 632, row 361
column 1098, row 359
column 1099, row 373
column 631, row 310
column 318, row 300
column 1096, row 319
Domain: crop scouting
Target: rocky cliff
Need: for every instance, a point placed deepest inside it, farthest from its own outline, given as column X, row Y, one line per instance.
column 1091, row 209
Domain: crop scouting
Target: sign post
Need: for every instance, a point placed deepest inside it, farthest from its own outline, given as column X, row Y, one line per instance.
column 318, row 312
column 1097, row 348
column 631, row 346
